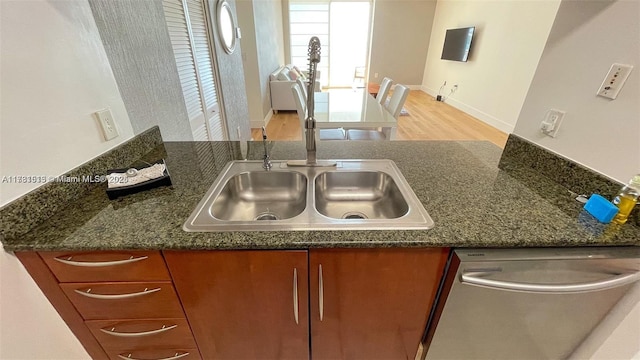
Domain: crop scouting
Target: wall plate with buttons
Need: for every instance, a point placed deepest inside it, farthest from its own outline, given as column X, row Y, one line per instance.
column 614, row 81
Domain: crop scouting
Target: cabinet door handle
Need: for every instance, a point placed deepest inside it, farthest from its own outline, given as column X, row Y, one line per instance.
column 295, row 295
column 174, row 357
column 68, row 261
column 113, row 331
column 88, row 293
column 320, row 292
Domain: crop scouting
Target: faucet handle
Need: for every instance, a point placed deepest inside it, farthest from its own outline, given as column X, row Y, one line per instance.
column 266, row 161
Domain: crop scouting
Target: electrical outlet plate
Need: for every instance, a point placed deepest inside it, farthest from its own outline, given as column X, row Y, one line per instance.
column 614, row 81
column 105, row 119
column 551, row 123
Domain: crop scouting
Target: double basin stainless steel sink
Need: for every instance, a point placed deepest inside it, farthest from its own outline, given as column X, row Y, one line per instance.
column 354, row 194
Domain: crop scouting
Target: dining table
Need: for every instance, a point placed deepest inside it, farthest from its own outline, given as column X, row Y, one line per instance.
column 353, row 109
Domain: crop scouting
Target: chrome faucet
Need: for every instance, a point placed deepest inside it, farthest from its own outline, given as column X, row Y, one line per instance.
column 310, row 122
column 266, row 164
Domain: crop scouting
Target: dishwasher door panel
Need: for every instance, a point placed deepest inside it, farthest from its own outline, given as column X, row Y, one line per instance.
column 489, row 323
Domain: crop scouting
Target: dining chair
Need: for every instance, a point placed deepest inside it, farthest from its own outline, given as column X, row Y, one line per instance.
column 397, row 100
column 384, row 90
column 301, row 108
column 303, row 87
column 364, row 134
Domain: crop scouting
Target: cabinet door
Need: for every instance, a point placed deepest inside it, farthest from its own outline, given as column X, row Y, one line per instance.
column 244, row 304
column 371, row 303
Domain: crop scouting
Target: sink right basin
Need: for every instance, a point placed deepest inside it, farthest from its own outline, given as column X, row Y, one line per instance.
column 359, row 195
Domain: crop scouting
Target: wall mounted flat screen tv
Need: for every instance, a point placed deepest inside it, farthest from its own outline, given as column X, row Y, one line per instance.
column 457, row 43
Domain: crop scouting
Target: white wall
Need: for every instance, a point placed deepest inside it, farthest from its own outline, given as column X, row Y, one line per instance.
column 509, row 39
column 599, row 133
column 262, row 52
column 269, row 44
column 400, row 40
column 250, row 61
column 30, row 328
column 55, row 74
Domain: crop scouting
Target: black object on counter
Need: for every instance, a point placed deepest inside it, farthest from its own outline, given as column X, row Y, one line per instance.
column 165, row 180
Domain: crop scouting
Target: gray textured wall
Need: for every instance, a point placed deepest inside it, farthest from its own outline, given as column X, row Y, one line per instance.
column 137, row 43
column 232, row 84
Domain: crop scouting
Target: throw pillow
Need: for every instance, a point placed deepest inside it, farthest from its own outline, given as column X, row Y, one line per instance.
column 283, row 76
column 302, row 74
column 293, row 74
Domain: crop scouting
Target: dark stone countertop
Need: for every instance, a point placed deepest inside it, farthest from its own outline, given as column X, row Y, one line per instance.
column 472, row 202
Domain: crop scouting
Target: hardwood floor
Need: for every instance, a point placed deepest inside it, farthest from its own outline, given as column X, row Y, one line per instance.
column 428, row 120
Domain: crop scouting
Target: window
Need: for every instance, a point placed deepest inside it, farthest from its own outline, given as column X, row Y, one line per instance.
column 307, row 19
column 343, row 28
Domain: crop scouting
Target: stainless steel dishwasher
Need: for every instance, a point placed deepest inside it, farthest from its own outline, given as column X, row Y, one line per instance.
column 526, row 303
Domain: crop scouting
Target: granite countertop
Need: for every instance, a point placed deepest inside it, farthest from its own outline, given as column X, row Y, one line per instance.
column 472, row 202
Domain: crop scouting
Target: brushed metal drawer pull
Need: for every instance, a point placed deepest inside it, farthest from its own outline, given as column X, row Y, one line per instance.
column 174, row 357
column 138, row 334
column 130, row 260
column 88, row 293
column 320, row 292
column 295, row 295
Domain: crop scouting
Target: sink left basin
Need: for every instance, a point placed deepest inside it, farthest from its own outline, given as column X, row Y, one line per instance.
column 245, row 196
column 261, row 195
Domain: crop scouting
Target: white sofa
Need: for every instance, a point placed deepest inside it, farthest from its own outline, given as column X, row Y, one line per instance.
column 281, row 94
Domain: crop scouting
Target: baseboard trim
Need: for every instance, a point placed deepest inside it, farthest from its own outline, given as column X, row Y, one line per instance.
column 267, row 117
column 478, row 114
column 257, row 124
column 411, row 87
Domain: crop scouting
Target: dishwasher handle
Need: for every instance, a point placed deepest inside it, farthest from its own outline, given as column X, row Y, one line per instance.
column 477, row 279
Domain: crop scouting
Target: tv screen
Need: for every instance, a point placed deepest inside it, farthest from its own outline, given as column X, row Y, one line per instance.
column 457, row 43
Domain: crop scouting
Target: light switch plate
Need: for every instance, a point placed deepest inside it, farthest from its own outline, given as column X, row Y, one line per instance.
column 105, row 119
column 614, row 80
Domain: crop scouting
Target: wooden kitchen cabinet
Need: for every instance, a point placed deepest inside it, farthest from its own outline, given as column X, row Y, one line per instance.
column 263, row 304
column 243, row 304
column 371, row 303
column 118, row 304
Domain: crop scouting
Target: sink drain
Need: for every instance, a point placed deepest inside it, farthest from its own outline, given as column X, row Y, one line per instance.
column 267, row 216
column 354, row 215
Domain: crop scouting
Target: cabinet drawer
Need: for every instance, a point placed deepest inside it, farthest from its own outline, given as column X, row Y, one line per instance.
column 106, row 266
column 142, row 334
column 155, row 354
column 133, row 300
